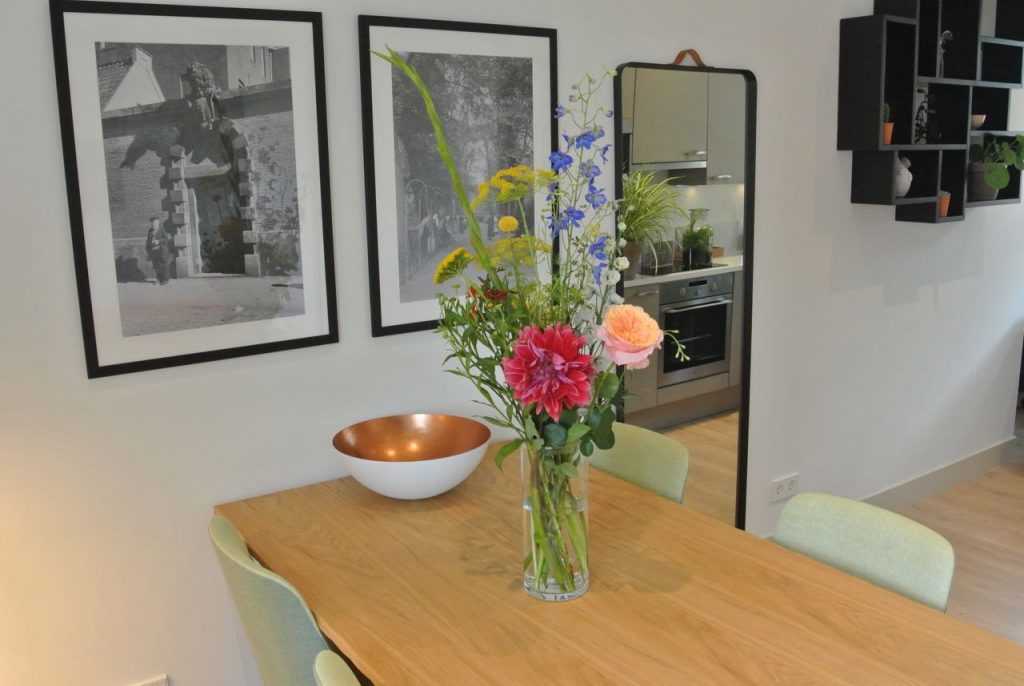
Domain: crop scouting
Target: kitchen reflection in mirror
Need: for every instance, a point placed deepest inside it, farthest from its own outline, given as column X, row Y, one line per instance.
column 686, row 159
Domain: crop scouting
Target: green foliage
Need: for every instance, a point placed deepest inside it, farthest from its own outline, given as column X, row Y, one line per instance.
column 518, row 284
column 698, row 238
column 997, row 156
column 649, row 210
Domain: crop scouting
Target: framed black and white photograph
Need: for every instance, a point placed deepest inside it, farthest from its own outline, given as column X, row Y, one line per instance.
column 195, row 149
column 494, row 89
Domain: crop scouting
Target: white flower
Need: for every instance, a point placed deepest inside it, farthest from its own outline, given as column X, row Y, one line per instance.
column 616, row 299
column 613, row 276
column 621, row 263
column 622, row 226
column 622, row 241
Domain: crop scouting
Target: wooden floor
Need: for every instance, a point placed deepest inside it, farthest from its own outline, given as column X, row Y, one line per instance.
column 984, row 520
column 711, row 480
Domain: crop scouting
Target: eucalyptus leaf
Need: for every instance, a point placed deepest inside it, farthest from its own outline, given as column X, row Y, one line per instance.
column 587, row 448
column 506, row 450
column 608, row 386
column 578, row 431
column 555, row 435
column 568, row 469
column 604, row 441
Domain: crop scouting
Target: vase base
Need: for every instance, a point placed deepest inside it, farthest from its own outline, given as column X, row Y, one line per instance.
column 553, row 592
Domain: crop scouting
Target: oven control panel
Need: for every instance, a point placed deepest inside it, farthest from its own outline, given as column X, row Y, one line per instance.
column 694, row 289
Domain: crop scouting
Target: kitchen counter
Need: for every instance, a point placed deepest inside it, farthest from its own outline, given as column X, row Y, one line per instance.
column 733, row 263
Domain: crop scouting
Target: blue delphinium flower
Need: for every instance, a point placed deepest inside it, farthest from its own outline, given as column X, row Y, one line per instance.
column 585, row 140
column 595, row 196
column 597, row 251
column 604, row 152
column 572, row 217
column 589, row 170
column 559, row 111
column 560, row 161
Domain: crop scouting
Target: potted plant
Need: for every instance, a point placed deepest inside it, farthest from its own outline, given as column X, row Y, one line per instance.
column 646, row 216
column 990, row 166
column 887, row 124
column 944, row 197
column 697, row 240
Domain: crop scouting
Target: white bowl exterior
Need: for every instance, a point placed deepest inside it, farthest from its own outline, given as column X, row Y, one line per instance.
column 414, row 480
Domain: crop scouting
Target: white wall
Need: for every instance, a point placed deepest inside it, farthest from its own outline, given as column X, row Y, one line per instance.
column 881, row 350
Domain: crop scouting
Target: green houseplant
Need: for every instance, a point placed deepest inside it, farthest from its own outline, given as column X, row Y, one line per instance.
column 697, row 240
column 990, row 166
column 647, row 214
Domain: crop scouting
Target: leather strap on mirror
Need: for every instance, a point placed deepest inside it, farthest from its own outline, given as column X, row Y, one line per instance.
column 692, row 53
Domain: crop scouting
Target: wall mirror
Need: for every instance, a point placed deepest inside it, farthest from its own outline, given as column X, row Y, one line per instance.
column 685, row 157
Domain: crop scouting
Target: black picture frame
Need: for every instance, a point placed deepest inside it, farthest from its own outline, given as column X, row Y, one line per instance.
column 322, row 329
column 373, row 163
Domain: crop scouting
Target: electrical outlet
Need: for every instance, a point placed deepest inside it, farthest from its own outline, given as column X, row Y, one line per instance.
column 785, row 487
column 156, row 681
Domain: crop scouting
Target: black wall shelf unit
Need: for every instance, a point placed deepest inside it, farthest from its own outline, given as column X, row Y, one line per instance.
column 893, row 58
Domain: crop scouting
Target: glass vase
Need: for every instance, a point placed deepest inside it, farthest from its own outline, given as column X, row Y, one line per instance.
column 555, row 526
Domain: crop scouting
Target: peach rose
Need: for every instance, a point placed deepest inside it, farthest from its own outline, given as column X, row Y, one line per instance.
column 630, row 335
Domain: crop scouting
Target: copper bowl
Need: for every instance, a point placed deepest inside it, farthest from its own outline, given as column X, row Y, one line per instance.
column 412, row 456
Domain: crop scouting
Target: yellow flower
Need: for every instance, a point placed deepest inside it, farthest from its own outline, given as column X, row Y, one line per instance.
column 452, row 265
column 482, row 191
column 508, row 224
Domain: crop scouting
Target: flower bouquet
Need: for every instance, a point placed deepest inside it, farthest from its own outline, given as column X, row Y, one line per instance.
column 533, row 321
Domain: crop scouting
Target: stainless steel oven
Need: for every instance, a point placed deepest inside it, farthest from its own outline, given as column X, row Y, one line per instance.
column 699, row 311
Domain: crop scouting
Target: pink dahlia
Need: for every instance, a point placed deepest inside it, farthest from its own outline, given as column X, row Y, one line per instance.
column 548, row 369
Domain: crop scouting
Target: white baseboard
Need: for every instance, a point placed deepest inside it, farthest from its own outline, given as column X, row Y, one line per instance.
column 911, row 491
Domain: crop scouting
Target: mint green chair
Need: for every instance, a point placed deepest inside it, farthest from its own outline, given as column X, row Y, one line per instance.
column 647, row 459
column 879, row 546
column 331, row 670
column 284, row 636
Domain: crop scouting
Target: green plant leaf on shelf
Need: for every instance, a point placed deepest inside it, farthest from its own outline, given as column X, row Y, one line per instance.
column 997, row 176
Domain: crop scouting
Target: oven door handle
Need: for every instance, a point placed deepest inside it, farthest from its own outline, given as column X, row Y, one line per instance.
column 698, row 307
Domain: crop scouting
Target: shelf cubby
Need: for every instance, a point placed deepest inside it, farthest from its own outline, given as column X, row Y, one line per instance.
column 893, row 57
column 888, row 48
column 1010, row 19
column 953, row 179
column 1002, row 61
column 952, row 105
column 874, row 175
column 1010, row 194
column 994, row 103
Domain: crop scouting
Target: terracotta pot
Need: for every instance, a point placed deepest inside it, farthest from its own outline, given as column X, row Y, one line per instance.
column 944, row 205
column 887, row 132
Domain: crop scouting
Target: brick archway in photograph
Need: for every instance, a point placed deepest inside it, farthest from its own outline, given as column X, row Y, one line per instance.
column 182, row 202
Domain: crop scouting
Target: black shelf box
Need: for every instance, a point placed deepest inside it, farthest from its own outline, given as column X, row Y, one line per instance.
column 1001, row 62
column 873, row 181
column 870, row 46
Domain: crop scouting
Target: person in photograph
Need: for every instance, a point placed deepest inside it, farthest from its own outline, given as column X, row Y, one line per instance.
column 156, row 250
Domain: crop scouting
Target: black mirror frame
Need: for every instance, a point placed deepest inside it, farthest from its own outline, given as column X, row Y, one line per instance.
column 620, row 167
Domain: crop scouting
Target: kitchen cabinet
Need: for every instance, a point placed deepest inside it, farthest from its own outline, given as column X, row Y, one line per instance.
column 670, row 116
column 727, row 101
column 642, row 384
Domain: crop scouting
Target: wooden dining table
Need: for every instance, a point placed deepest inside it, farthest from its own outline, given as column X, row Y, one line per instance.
column 430, row 592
